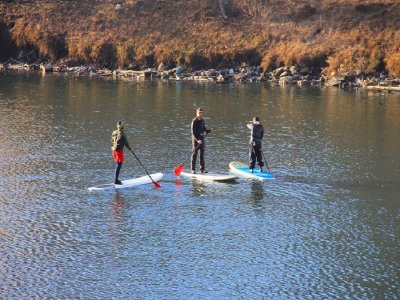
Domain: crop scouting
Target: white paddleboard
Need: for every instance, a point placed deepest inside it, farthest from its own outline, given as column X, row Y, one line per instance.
column 210, row 176
column 243, row 169
column 128, row 183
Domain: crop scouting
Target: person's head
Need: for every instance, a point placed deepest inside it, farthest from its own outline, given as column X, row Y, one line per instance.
column 256, row 119
column 120, row 124
column 199, row 112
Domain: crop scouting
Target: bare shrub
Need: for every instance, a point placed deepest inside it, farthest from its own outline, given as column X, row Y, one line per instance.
column 167, row 53
column 392, row 62
column 125, row 53
column 196, row 59
column 80, row 48
column 347, row 60
column 145, row 54
column 104, row 53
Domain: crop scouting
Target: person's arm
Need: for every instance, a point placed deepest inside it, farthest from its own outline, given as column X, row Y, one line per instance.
column 127, row 143
column 207, row 130
column 196, row 130
column 113, row 138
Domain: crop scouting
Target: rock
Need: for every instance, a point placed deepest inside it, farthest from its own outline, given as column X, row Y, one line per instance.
column 292, row 69
column 220, row 78
column 240, row 77
column 333, row 82
column 284, row 74
column 211, row 72
column 160, row 67
column 279, row 71
column 46, row 68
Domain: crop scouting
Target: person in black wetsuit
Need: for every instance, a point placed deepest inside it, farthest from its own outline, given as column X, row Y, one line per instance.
column 199, row 130
column 257, row 134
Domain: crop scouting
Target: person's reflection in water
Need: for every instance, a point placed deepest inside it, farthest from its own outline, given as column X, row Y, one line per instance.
column 257, row 192
column 118, row 225
column 198, row 188
column 117, row 207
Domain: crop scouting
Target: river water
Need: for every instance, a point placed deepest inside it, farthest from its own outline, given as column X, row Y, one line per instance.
column 326, row 228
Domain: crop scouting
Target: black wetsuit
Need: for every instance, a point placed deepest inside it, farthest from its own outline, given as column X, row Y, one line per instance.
column 255, row 153
column 198, row 133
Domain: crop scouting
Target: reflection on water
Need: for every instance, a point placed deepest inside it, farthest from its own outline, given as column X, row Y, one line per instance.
column 198, row 188
column 257, row 191
column 325, row 228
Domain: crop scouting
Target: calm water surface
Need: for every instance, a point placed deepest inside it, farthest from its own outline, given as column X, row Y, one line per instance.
column 326, row 228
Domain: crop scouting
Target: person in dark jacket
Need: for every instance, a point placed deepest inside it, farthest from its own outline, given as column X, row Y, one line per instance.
column 119, row 141
column 256, row 136
column 199, row 131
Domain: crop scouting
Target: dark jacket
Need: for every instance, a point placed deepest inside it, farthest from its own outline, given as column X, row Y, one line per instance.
column 257, row 132
column 119, row 140
column 198, row 129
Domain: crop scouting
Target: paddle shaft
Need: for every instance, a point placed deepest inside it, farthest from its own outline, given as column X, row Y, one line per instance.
column 266, row 162
column 155, row 183
column 197, row 147
column 178, row 169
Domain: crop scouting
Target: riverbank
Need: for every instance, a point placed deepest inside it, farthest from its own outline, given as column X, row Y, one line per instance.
column 324, row 37
column 243, row 73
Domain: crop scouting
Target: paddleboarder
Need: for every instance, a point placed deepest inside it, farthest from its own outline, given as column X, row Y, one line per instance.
column 119, row 141
column 256, row 136
column 199, row 130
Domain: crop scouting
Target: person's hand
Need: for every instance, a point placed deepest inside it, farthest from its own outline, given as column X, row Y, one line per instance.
column 199, row 142
column 211, row 130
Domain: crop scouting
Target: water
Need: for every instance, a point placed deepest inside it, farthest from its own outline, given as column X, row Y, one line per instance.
column 326, row 228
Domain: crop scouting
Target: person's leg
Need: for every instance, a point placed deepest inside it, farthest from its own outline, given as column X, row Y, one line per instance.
column 252, row 157
column 258, row 154
column 119, row 159
column 194, row 156
column 202, row 162
column 118, row 167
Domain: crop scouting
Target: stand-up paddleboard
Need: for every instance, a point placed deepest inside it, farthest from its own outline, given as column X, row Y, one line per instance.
column 210, row 176
column 242, row 169
column 127, row 183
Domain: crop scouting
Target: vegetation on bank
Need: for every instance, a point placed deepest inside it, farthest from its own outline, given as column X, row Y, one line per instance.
column 333, row 36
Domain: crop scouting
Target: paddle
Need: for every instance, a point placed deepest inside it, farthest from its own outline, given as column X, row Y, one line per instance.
column 178, row 169
column 266, row 162
column 154, row 182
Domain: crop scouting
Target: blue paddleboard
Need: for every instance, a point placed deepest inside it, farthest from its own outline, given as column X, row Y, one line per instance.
column 242, row 169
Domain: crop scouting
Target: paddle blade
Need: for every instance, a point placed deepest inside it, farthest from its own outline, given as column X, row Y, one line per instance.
column 156, row 184
column 178, row 170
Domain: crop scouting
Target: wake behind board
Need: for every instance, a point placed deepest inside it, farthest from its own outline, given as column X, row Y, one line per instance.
column 127, row 183
column 210, row 176
column 242, row 169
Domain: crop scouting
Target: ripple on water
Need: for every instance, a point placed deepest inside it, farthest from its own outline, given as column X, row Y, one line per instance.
column 325, row 228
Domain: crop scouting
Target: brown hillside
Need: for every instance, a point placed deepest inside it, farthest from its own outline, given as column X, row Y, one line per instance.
column 337, row 35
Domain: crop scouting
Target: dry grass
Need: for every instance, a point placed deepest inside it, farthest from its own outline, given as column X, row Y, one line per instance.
column 333, row 35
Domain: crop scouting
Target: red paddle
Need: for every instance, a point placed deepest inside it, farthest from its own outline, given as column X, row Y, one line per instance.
column 178, row 169
column 154, row 182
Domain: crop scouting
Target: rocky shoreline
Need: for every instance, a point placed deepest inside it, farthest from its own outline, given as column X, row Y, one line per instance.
column 244, row 73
